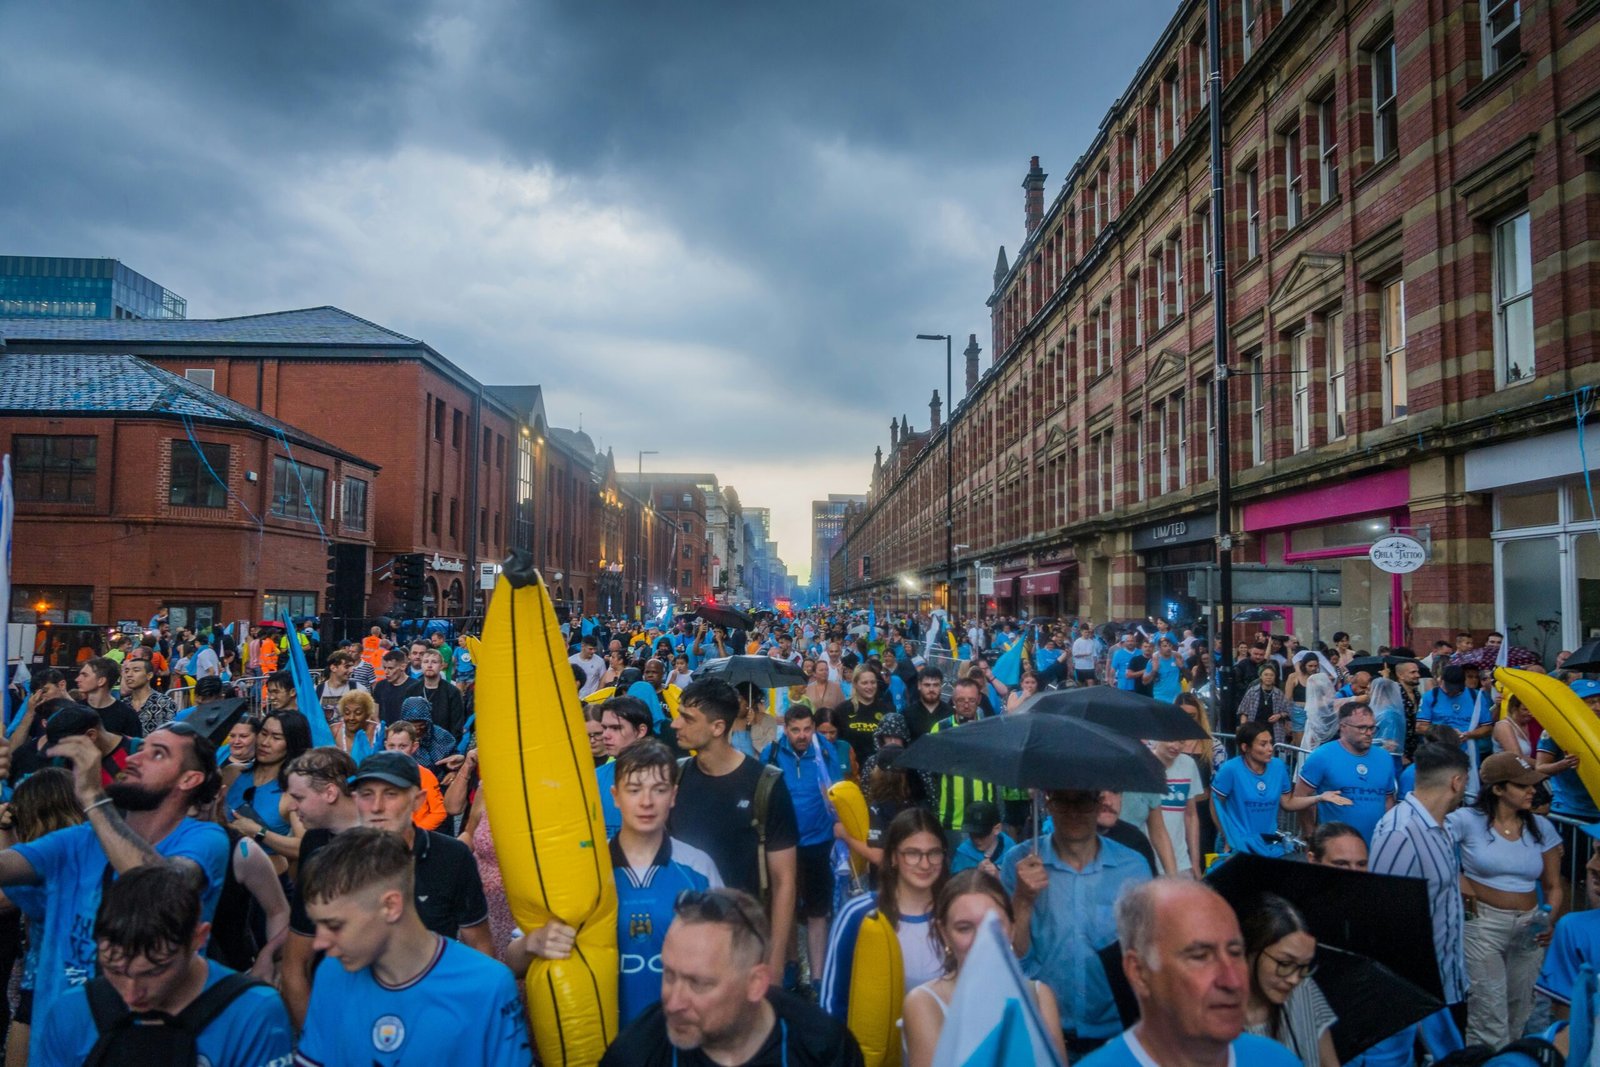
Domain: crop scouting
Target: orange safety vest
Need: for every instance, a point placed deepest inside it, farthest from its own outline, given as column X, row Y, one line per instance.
column 267, row 655
column 372, row 654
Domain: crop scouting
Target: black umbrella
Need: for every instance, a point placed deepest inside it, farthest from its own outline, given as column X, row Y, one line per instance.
column 1374, row 664
column 763, row 672
column 1259, row 615
column 1127, row 713
column 1371, row 1001
column 1039, row 752
column 215, row 718
column 726, row 617
column 1585, row 659
column 1380, row 916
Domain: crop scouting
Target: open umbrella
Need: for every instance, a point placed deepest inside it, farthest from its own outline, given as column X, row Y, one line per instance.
column 1259, row 615
column 718, row 615
column 763, row 672
column 1374, row 664
column 1039, row 752
column 214, row 718
column 1129, row 714
column 1487, row 658
column 1342, row 908
column 1584, row 660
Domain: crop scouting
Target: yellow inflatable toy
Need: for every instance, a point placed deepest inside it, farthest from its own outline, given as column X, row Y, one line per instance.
column 1564, row 716
column 544, row 805
column 851, row 808
column 669, row 697
column 875, row 1006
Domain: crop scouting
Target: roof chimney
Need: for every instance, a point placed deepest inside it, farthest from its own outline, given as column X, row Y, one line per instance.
column 894, row 433
column 1033, row 196
column 972, row 352
column 933, row 413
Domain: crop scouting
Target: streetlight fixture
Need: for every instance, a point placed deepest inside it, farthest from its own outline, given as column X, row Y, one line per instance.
column 949, row 477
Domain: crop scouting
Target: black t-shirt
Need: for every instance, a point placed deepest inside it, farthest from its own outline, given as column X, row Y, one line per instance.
column 858, row 726
column 1125, row 833
column 802, row 1035
column 919, row 718
column 1138, row 665
column 391, row 697
column 716, row 816
column 120, row 718
column 448, row 889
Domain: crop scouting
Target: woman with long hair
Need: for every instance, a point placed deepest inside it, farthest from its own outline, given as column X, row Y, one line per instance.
column 858, row 717
column 1266, row 702
column 255, row 796
column 966, row 900
column 43, row 803
column 915, row 866
column 1285, row 1003
column 356, row 731
column 1027, row 687
column 1509, row 857
column 821, row 690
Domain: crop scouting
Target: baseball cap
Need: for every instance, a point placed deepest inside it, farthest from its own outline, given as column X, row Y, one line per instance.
column 979, row 818
column 1509, row 767
column 1585, row 688
column 396, row 768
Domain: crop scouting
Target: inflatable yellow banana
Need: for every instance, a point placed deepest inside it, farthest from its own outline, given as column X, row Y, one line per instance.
column 544, row 807
column 1564, row 716
column 875, row 1006
column 851, row 808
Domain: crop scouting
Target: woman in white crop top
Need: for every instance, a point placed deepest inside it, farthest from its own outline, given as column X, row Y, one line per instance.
column 1508, row 854
column 964, row 902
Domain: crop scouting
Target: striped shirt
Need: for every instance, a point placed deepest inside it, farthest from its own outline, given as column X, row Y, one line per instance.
column 1410, row 842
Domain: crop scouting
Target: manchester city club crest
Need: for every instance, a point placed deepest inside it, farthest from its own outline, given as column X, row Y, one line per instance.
column 1261, row 787
column 388, row 1033
column 640, row 925
column 1361, row 769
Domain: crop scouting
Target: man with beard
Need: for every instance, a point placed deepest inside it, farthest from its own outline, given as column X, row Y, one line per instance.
column 140, row 819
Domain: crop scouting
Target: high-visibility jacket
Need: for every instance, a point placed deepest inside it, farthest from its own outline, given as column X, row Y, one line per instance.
column 267, row 655
column 372, row 654
column 955, row 792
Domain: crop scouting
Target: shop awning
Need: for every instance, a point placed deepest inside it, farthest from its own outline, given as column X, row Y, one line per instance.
column 1041, row 583
column 1004, row 588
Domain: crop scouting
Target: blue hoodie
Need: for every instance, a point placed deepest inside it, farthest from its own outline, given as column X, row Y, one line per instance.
column 808, row 779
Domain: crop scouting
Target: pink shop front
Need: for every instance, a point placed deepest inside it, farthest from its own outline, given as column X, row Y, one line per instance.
column 1306, row 556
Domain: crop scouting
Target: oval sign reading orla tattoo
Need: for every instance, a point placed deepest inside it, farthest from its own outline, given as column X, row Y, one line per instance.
column 1397, row 554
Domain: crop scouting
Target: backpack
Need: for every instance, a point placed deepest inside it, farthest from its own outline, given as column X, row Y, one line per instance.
column 770, row 777
column 155, row 1037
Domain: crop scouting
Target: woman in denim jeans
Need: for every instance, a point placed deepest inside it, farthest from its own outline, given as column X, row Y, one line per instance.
column 1508, row 855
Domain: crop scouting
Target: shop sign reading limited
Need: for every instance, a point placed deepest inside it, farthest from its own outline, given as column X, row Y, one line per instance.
column 1397, row 554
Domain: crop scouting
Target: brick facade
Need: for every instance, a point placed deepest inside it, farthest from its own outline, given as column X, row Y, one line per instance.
column 1093, row 421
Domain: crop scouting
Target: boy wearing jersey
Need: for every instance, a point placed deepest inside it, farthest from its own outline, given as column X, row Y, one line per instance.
column 391, row 992
column 150, row 940
column 652, row 870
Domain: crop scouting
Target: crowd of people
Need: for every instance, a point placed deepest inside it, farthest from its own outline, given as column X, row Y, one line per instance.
column 200, row 862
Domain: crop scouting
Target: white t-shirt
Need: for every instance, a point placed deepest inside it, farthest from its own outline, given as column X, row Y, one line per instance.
column 920, row 954
column 1084, row 653
column 1183, row 782
column 592, row 669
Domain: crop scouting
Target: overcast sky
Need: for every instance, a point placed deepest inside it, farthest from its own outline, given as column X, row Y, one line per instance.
column 710, row 228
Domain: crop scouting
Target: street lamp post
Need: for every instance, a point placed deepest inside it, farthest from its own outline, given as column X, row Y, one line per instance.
column 1223, row 619
column 949, row 475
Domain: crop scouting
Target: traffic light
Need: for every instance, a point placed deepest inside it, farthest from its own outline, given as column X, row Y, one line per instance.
column 407, row 572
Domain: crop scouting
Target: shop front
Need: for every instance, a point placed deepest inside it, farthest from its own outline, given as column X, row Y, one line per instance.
column 1178, row 555
column 1311, row 565
column 1049, row 590
column 1546, row 537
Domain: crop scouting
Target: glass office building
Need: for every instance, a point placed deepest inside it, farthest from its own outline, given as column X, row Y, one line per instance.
column 57, row 287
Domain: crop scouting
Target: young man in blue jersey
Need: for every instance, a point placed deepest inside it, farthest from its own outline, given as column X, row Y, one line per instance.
column 151, row 943
column 391, row 991
column 1248, row 790
column 1349, row 765
column 806, row 772
column 652, row 869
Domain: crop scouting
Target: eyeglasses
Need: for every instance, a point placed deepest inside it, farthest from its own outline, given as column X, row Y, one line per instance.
column 919, row 856
column 1286, row 968
column 718, row 907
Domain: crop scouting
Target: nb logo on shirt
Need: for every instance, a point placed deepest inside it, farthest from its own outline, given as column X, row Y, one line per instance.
column 743, row 804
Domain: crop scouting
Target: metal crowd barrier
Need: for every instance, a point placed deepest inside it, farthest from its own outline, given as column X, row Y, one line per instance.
column 1576, row 846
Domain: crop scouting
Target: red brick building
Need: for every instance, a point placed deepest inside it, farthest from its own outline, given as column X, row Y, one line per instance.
column 1413, row 258
column 137, row 489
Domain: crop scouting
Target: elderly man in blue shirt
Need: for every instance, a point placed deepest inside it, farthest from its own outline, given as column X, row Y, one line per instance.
column 1064, row 898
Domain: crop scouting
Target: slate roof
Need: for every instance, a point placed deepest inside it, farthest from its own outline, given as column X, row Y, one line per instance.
column 119, row 384
column 306, row 326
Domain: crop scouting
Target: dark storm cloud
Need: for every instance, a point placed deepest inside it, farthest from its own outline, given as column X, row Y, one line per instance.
column 649, row 208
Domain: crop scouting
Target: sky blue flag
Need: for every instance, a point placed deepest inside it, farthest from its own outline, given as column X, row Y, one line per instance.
column 993, row 1020
column 872, row 621
column 586, row 628
column 647, row 693
column 6, row 505
column 305, row 690
column 1008, row 668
